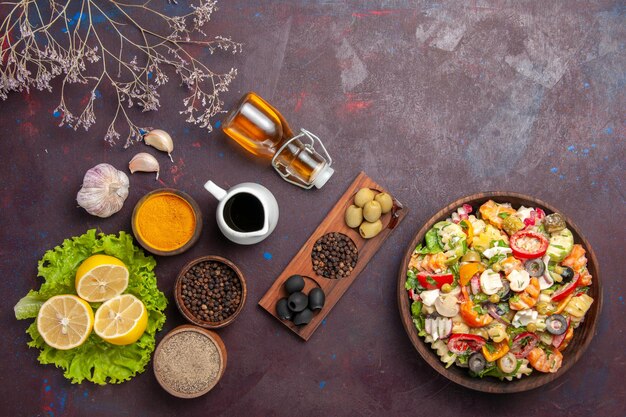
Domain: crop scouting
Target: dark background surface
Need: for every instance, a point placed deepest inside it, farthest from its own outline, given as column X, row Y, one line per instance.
column 432, row 100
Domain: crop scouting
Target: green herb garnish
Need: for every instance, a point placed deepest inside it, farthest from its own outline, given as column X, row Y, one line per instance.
column 411, row 280
column 496, row 258
column 416, row 309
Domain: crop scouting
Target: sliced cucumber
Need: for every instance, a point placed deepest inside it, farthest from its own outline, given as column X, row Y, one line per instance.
column 452, row 239
column 561, row 244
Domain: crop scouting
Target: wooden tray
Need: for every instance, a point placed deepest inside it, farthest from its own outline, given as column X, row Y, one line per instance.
column 333, row 288
column 582, row 336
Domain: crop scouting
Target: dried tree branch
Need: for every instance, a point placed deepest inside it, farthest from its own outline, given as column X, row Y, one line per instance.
column 40, row 42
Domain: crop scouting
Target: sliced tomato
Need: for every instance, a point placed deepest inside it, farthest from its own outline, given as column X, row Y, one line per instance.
column 528, row 245
column 434, row 281
column 523, row 344
column 566, row 290
column 461, row 343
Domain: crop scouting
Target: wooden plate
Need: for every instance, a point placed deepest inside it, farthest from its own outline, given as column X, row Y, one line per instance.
column 582, row 336
column 301, row 263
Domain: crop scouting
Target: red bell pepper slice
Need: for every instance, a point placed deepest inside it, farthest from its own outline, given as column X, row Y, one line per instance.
column 461, row 343
column 521, row 241
column 434, row 281
column 566, row 290
column 523, row 344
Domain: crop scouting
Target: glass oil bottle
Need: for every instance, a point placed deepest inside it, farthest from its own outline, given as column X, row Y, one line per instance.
column 261, row 130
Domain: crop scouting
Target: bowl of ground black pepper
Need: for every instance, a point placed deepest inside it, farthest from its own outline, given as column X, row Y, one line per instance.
column 189, row 361
column 210, row 292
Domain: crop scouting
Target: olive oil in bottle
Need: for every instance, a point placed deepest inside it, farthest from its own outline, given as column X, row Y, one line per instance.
column 261, row 130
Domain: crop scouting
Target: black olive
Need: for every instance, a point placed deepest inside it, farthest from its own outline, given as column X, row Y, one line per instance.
column 534, row 267
column 556, row 324
column 297, row 302
column 282, row 310
column 316, row 299
column 505, row 292
column 294, row 283
column 567, row 274
column 476, row 362
column 303, row 317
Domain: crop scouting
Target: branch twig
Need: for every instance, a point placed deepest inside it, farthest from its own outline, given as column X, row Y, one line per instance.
column 39, row 42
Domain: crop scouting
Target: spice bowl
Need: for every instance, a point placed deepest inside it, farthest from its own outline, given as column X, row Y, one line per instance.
column 167, row 222
column 189, row 361
column 210, row 292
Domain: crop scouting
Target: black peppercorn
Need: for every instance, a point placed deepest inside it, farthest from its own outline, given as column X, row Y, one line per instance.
column 204, row 292
column 334, row 255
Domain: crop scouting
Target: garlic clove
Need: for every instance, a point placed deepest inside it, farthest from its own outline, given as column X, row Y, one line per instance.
column 144, row 162
column 160, row 140
column 104, row 190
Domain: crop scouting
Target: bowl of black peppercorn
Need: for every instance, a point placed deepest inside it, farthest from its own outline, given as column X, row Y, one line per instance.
column 210, row 292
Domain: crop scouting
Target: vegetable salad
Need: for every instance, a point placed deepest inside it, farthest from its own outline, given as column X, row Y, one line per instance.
column 499, row 292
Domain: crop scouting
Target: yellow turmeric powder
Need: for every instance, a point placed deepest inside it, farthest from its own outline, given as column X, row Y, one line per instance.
column 165, row 222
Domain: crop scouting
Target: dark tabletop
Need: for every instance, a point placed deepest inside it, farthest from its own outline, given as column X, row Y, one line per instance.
column 433, row 101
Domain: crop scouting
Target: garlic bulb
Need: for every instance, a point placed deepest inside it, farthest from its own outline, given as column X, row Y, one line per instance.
column 104, row 190
column 144, row 162
column 161, row 140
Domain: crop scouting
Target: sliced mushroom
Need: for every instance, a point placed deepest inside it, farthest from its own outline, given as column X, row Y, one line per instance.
column 447, row 305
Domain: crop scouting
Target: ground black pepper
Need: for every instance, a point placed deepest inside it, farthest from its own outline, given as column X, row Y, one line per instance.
column 334, row 255
column 188, row 362
column 211, row 291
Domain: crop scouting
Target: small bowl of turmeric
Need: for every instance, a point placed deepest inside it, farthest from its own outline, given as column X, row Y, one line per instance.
column 167, row 222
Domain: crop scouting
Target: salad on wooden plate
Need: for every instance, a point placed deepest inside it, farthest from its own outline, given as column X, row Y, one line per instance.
column 498, row 289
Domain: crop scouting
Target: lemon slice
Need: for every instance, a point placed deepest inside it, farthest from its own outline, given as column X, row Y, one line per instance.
column 121, row 320
column 65, row 321
column 100, row 278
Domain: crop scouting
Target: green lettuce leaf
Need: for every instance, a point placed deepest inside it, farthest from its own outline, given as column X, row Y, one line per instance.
column 96, row 360
column 28, row 306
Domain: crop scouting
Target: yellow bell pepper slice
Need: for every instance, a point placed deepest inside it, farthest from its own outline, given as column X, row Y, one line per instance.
column 501, row 349
column 467, row 271
column 562, row 304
